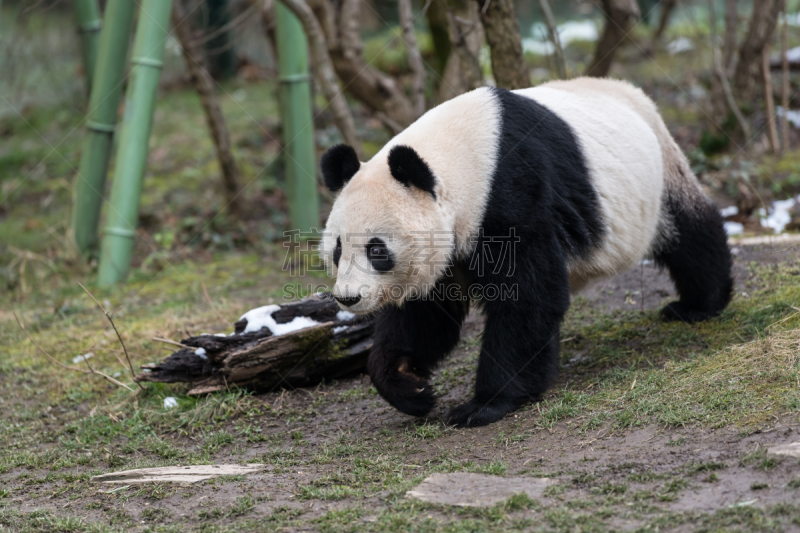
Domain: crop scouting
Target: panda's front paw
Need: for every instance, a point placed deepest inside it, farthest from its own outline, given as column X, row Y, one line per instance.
column 475, row 413
column 678, row 311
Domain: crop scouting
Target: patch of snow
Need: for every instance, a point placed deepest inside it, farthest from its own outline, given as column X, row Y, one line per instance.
column 201, row 352
column 681, row 44
column 793, row 116
column 734, row 228
column 779, row 215
column 646, row 262
column 539, row 42
column 220, row 335
column 81, row 358
column 729, row 211
column 116, row 374
column 339, row 329
column 262, row 317
column 735, row 251
column 345, row 315
column 793, row 54
column 793, row 19
column 170, row 402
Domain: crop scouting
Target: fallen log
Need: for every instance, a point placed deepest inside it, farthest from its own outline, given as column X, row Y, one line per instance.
column 295, row 344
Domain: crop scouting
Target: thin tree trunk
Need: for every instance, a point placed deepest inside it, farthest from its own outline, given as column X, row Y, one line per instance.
column 463, row 70
column 619, row 15
column 731, row 23
column 722, row 76
column 220, row 50
column 552, row 30
column 784, row 85
column 505, row 44
column 204, row 85
column 414, row 57
column 439, row 24
column 772, row 129
column 323, row 67
column 759, row 33
column 377, row 90
column 667, row 7
column 268, row 22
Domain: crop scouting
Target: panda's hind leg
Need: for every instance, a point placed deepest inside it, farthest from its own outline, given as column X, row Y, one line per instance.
column 697, row 256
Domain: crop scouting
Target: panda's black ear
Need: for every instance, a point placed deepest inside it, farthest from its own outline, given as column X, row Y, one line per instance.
column 409, row 168
column 339, row 164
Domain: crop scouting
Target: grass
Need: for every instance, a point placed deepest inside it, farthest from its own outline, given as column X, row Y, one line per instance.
column 328, row 469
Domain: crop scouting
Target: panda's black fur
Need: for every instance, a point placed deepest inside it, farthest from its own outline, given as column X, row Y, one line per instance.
column 540, row 191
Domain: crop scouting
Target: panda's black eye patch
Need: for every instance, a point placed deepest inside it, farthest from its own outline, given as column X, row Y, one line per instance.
column 337, row 252
column 379, row 255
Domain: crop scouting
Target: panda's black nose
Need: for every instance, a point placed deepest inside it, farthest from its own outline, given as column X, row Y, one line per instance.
column 348, row 300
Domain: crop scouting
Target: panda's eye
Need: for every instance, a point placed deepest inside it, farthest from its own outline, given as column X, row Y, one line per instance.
column 337, row 252
column 379, row 255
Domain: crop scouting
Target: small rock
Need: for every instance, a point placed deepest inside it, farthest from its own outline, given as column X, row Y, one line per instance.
column 787, row 450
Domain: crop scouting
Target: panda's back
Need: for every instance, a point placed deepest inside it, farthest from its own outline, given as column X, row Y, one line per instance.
column 583, row 147
column 624, row 161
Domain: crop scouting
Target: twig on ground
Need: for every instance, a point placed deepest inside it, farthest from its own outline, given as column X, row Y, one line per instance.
column 62, row 365
column 211, row 304
column 167, row 341
column 111, row 320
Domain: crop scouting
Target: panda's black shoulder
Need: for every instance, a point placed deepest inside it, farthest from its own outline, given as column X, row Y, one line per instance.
column 541, row 176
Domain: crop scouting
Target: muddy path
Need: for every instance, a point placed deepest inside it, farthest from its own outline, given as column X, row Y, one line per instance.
column 338, row 458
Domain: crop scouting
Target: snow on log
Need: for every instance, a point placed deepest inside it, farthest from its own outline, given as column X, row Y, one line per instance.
column 295, row 344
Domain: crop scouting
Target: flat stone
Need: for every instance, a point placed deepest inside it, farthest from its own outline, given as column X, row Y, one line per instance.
column 476, row 490
column 175, row 474
column 787, row 450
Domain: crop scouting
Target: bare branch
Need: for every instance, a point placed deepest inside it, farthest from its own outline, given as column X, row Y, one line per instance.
column 67, row 367
column 210, row 303
column 56, row 361
column 722, row 76
column 462, row 71
column 414, row 56
column 731, row 22
column 759, row 33
column 168, row 341
column 772, row 129
column 552, row 30
column 323, row 65
column 784, row 85
column 111, row 320
column 204, row 85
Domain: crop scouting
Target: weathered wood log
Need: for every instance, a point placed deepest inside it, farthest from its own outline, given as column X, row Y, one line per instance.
column 337, row 345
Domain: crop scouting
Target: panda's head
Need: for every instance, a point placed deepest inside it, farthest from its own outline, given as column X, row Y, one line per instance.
column 387, row 238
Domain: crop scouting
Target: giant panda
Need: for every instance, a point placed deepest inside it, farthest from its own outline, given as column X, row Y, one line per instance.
column 568, row 181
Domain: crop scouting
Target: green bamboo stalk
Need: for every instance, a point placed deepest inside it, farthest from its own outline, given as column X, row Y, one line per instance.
column 298, row 126
column 89, row 24
column 132, row 150
column 100, row 122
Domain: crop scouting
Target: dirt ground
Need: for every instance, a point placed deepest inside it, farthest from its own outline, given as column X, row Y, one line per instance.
column 339, row 459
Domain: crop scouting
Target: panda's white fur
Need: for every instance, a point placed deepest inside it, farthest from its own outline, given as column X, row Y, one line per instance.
column 626, row 147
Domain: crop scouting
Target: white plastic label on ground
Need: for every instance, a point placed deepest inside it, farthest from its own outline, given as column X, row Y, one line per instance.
column 176, row 474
